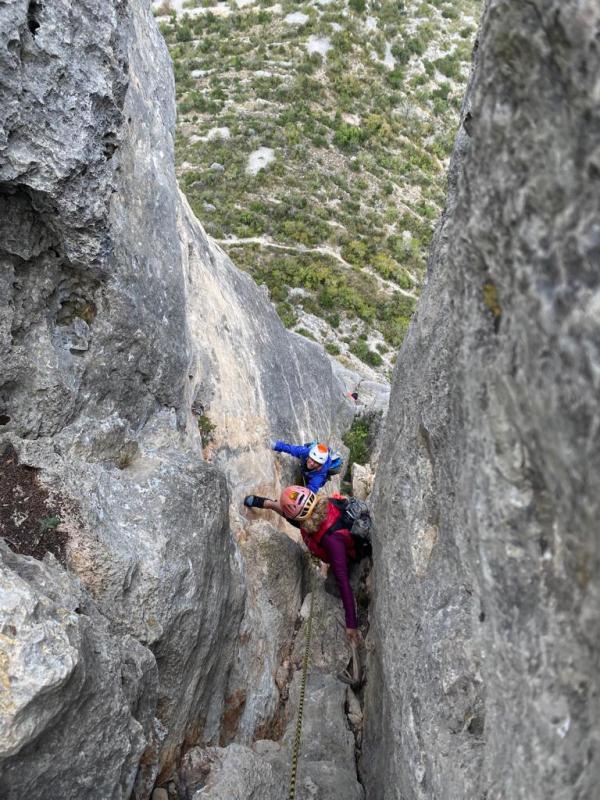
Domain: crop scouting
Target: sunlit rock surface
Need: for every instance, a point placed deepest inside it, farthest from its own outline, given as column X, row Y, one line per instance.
column 142, row 376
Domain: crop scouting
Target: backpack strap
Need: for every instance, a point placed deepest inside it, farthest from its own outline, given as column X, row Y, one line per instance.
column 340, row 503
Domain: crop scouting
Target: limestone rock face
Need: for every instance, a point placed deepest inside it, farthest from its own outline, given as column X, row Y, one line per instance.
column 96, row 348
column 63, row 675
column 142, row 376
column 88, row 217
column 220, row 773
column 484, row 678
column 362, row 481
column 274, row 570
column 326, row 765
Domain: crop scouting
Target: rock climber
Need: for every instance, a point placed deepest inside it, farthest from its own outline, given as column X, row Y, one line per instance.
column 316, row 462
column 316, row 516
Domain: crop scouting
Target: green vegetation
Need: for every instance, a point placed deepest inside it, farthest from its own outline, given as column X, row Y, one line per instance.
column 206, row 428
column 361, row 133
column 358, row 441
column 49, row 523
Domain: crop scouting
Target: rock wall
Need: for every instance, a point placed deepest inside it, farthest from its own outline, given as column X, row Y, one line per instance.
column 127, row 342
column 331, row 725
column 484, row 679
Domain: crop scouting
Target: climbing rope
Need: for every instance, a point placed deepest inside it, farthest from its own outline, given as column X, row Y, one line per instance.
column 297, row 737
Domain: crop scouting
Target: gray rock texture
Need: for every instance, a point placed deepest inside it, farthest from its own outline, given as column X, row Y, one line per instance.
column 261, row 769
column 88, row 220
column 326, row 765
column 484, row 679
column 96, row 350
column 254, row 382
column 223, row 773
column 63, row 675
column 142, row 376
column 274, row 569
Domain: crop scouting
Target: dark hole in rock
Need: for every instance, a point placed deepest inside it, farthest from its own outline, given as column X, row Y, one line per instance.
column 109, row 145
column 468, row 123
column 76, row 305
column 476, row 725
column 482, row 616
column 32, row 16
column 4, row 419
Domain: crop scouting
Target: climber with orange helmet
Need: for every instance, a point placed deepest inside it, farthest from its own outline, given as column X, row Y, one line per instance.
column 315, row 461
column 319, row 521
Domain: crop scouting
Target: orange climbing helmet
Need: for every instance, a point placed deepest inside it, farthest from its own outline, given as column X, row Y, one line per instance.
column 297, row 502
column 319, row 452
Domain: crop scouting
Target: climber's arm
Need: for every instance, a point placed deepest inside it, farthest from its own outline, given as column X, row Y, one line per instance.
column 273, row 505
column 315, row 479
column 296, row 450
column 256, row 501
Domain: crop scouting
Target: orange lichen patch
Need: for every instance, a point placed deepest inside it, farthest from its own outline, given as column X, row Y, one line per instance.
column 170, row 758
column 492, row 302
column 234, row 707
column 7, row 706
column 169, row 761
column 273, row 728
column 240, row 534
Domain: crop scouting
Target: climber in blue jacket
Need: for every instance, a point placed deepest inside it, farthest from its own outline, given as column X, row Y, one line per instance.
column 316, row 463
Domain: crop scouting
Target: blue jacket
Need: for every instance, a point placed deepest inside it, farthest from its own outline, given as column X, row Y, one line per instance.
column 314, row 478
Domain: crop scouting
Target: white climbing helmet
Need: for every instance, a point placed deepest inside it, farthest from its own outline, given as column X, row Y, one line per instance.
column 319, row 452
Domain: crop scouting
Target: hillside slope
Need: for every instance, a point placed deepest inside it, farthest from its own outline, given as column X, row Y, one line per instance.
column 312, row 142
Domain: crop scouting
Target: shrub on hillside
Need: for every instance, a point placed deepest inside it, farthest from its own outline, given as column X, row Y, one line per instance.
column 347, row 137
column 395, row 78
column 357, row 5
column 286, row 314
column 361, row 349
column 355, row 252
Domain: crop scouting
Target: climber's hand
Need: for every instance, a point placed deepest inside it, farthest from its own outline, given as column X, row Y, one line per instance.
column 273, row 445
column 254, row 501
column 353, row 636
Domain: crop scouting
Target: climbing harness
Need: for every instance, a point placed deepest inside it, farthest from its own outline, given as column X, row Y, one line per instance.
column 298, row 734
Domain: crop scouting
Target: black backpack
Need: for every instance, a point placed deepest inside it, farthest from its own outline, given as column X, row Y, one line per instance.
column 356, row 518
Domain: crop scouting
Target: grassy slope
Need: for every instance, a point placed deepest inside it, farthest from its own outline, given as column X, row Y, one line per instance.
column 360, row 146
